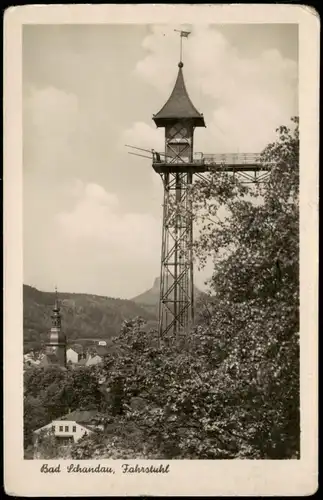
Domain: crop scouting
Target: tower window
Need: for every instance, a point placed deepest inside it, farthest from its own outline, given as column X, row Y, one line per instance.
column 61, row 428
column 66, row 428
column 74, row 428
column 53, row 428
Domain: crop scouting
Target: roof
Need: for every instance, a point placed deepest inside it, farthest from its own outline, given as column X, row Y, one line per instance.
column 86, row 426
column 50, row 360
column 72, row 350
column 81, row 416
column 77, row 348
column 36, row 431
column 101, row 350
column 179, row 105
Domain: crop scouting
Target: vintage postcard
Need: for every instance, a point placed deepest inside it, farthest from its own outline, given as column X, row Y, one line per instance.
column 161, row 250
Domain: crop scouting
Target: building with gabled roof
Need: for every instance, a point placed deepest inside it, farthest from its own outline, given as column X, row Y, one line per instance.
column 101, row 350
column 71, row 427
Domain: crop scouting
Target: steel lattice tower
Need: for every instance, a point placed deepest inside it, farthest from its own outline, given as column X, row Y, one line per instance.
column 177, row 165
column 179, row 118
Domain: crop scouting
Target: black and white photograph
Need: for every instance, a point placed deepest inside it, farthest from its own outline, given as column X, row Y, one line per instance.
column 161, row 243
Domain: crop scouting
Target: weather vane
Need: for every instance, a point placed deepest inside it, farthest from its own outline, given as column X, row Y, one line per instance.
column 183, row 34
column 56, row 296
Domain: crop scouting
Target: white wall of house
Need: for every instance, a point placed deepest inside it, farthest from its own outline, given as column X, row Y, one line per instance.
column 72, row 356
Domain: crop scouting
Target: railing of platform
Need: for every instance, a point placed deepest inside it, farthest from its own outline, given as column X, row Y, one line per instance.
column 230, row 158
column 215, row 159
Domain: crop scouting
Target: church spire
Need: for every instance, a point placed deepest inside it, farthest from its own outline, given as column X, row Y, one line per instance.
column 56, row 343
column 56, row 315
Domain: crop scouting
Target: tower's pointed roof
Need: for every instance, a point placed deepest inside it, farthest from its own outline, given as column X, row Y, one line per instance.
column 55, row 333
column 56, row 305
column 179, row 105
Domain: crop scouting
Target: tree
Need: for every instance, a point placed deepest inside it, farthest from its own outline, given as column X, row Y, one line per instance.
column 48, row 447
column 35, row 416
column 255, row 250
column 81, row 390
column 255, row 245
column 231, row 389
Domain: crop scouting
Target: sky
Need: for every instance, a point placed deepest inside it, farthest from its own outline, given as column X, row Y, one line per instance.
column 92, row 212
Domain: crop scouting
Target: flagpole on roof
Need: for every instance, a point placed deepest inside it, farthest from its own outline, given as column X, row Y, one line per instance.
column 182, row 34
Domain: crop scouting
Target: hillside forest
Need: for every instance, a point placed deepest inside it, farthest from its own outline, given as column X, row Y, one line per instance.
column 85, row 316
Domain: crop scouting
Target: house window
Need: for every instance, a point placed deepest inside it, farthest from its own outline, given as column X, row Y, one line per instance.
column 74, row 428
column 60, row 428
column 53, row 428
column 66, row 428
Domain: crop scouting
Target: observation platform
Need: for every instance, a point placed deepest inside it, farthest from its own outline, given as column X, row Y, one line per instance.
column 229, row 162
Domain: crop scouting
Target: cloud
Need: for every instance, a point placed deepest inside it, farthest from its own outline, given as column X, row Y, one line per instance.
column 143, row 135
column 102, row 233
column 147, row 137
column 51, row 117
column 61, row 110
column 97, row 216
column 63, row 138
column 110, row 241
column 77, row 233
column 244, row 99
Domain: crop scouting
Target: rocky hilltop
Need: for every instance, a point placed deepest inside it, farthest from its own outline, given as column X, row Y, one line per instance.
column 150, row 298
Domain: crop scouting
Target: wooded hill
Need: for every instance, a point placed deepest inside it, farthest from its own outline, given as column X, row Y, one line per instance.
column 84, row 316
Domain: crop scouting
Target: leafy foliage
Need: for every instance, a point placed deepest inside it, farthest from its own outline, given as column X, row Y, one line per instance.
column 48, row 448
column 228, row 389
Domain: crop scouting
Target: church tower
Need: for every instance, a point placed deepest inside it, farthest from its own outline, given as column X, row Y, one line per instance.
column 56, row 345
